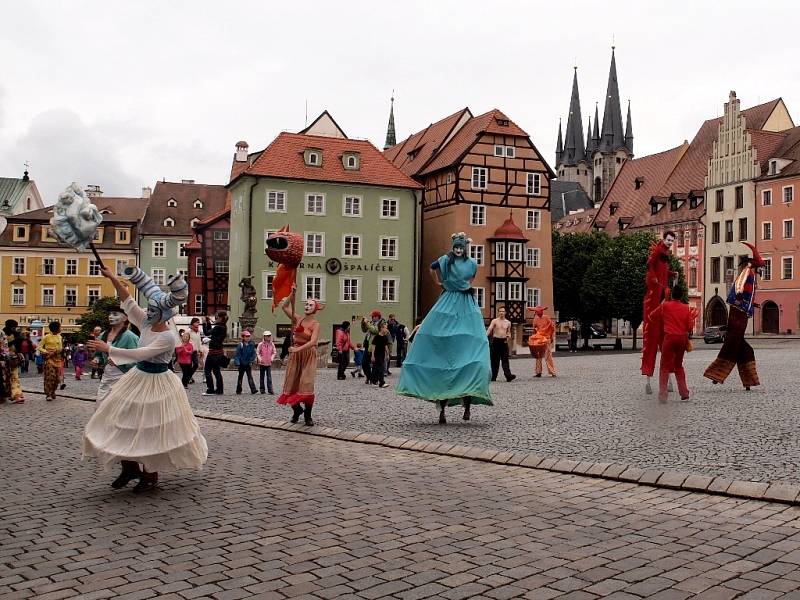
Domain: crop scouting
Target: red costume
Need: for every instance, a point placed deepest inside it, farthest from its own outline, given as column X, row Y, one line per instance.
column 656, row 281
column 674, row 321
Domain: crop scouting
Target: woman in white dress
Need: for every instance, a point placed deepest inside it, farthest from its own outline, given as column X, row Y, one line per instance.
column 145, row 422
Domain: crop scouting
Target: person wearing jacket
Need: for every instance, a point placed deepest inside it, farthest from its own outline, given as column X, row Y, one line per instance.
column 371, row 328
column 343, row 344
column 265, row 353
column 216, row 354
column 79, row 359
column 184, row 352
column 245, row 356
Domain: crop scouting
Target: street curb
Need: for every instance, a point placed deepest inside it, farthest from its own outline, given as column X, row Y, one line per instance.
column 689, row 482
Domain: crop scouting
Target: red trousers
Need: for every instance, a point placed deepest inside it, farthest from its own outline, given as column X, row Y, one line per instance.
column 651, row 332
column 673, row 347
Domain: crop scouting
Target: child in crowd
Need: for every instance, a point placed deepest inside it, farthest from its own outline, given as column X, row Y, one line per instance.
column 184, row 352
column 358, row 357
column 79, row 359
column 245, row 356
column 380, row 346
column 266, row 352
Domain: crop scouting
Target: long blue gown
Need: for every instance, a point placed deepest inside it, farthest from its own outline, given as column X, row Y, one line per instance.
column 449, row 358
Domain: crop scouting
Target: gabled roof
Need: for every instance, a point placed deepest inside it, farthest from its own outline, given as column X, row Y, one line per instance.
column 284, row 158
column 413, row 153
column 574, row 198
column 212, row 197
column 325, row 125
column 14, row 189
column 789, row 149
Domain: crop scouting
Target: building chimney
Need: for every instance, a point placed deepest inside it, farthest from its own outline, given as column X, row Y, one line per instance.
column 93, row 191
column 241, row 151
column 187, row 180
column 146, row 192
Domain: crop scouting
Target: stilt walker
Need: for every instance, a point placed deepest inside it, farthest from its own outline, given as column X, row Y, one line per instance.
column 656, row 283
column 735, row 350
column 448, row 363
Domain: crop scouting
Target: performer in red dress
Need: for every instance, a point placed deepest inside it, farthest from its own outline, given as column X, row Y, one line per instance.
column 676, row 321
column 657, row 282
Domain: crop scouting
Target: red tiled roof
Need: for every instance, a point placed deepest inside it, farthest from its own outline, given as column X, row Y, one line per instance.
column 788, row 149
column 113, row 209
column 509, row 231
column 284, row 158
column 412, row 154
column 579, row 222
column 463, row 140
column 756, row 116
column 213, row 198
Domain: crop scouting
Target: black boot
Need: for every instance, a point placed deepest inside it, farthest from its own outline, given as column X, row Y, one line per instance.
column 297, row 410
column 442, row 418
column 307, row 416
column 130, row 471
column 147, row 482
column 467, row 402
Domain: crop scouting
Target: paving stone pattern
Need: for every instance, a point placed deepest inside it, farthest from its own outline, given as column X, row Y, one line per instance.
column 281, row 515
column 595, row 410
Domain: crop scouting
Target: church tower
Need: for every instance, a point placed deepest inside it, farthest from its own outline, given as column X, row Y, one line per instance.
column 391, row 138
column 572, row 164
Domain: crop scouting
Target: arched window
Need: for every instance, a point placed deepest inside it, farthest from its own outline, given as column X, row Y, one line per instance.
column 172, row 203
column 169, row 222
column 198, row 203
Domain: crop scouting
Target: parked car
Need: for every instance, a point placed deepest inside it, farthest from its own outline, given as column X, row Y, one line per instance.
column 597, row 331
column 715, row 334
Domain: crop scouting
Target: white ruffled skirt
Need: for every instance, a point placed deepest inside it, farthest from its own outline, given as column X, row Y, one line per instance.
column 146, row 418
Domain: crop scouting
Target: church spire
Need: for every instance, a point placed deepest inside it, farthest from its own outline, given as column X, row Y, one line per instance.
column 559, row 145
column 574, row 147
column 596, row 131
column 589, row 144
column 613, row 136
column 391, row 139
column 629, row 131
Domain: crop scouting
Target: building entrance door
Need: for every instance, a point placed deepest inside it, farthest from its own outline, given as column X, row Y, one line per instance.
column 716, row 313
column 770, row 317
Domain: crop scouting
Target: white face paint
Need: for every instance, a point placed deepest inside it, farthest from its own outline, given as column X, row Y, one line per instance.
column 311, row 307
column 116, row 318
column 458, row 251
column 669, row 240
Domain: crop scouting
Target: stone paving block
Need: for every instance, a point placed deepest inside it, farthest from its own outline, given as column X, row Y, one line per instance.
column 564, row 466
column 598, row 468
column 547, row 463
column 650, row 476
column 748, row 489
column 487, row 455
column 782, row 492
column 614, row 470
column 583, row 467
column 697, row 482
column 530, row 460
column 719, row 485
column 631, row 474
column 502, row 457
column 672, row 479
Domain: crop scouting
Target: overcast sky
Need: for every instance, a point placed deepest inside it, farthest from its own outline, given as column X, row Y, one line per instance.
column 122, row 94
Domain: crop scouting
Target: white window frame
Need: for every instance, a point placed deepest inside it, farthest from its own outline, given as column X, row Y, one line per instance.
column 515, row 291
column 193, row 223
column 478, row 252
column 500, row 251
column 389, row 202
column 783, row 229
column 533, row 219
column 316, row 156
column 162, row 244
column 93, row 290
column 767, row 271
column 499, row 150
column 279, row 194
column 353, row 213
column 45, row 263
column 533, row 184
column 359, row 242
column 159, row 276
column 511, row 152
column 20, row 296
column 317, row 196
column 306, row 236
column 23, row 261
column 220, row 264
column 515, row 252
column 480, row 175
column 172, row 203
column 390, row 256
column 384, row 298
column 322, row 279
column 533, row 297
column 94, row 265
column 358, row 283
column 533, row 258
column 783, row 194
column 52, row 294
column 764, row 226
column 181, row 246
column 224, row 235
column 783, row 267
column 199, row 267
column 198, row 203
column 169, row 222
column 67, row 289
column 500, row 291
column 478, row 210
column 480, row 297
column 266, row 287
column 764, row 195
column 74, row 263
column 199, row 304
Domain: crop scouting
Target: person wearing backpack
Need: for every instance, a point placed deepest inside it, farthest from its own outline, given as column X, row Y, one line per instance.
column 245, row 356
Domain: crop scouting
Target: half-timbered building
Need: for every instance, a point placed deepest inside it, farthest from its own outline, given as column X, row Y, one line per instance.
column 208, row 254
column 478, row 172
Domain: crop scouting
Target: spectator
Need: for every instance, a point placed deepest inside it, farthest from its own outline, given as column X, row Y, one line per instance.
column 343, row 344
column 380, row 345
column 358, row 358
column 244, row 358
column 52, row 349
column 265, row 353
column 371, row 328
column 216, row 359
column 79, row 359
column 196, row 337
column 97, row 366
column 184, row 352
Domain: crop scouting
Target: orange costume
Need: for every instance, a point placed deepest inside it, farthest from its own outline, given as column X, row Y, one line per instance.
column 544, row 326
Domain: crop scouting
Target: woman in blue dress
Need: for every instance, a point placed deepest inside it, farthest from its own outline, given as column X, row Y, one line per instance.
column 448, row 363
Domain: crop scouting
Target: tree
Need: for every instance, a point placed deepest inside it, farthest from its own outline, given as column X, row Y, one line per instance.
column 96, row 315
column 572, row 257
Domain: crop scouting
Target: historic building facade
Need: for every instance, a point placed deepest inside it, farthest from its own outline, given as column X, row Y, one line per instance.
column 19, row 195
column 208, row 254
column 358, row 214
column 595, row 162
column 173, row 210
column 477, row 173
column 43, row 280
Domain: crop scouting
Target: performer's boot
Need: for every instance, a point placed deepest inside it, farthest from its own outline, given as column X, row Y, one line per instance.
column 297, row 410
column 442, row 406
column 130, row 471
column 467, row 403
column 307, row 415
column 147, row 482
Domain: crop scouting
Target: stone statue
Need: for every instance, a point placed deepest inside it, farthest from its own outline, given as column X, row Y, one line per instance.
column 249, row 297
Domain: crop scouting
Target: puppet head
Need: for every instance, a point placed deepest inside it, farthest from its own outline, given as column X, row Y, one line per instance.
column 539, row 310
column 160, row 305
column 75, row 218
column 459, row 244
column 757, row 262
column 285, row 247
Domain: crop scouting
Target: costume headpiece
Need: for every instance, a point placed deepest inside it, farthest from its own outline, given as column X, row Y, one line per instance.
column 539, row 310
column 460, row 239
column 375, row 313
column 756, row 261
column 161, row 305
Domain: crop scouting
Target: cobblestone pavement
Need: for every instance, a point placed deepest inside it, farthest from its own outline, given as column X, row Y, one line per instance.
column 282, row 515
column 594, row 410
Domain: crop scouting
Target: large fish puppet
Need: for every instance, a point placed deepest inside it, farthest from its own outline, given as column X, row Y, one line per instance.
column 285, row 248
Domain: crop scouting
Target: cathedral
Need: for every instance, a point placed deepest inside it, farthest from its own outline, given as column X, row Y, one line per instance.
column 594, row 164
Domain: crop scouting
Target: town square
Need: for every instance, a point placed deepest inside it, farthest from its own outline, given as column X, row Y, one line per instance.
column 406, row 301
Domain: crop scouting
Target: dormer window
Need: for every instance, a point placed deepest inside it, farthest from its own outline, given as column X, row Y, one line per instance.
column 169, row 222
column 21, row 233
column 172, row 203
column 351, row 161
column 502, row 122
column 198, row 203
column 313, row 157
column 773, row 167
column 105, row 211
column 613, row 207
column 193, row 223
column 638, row 182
